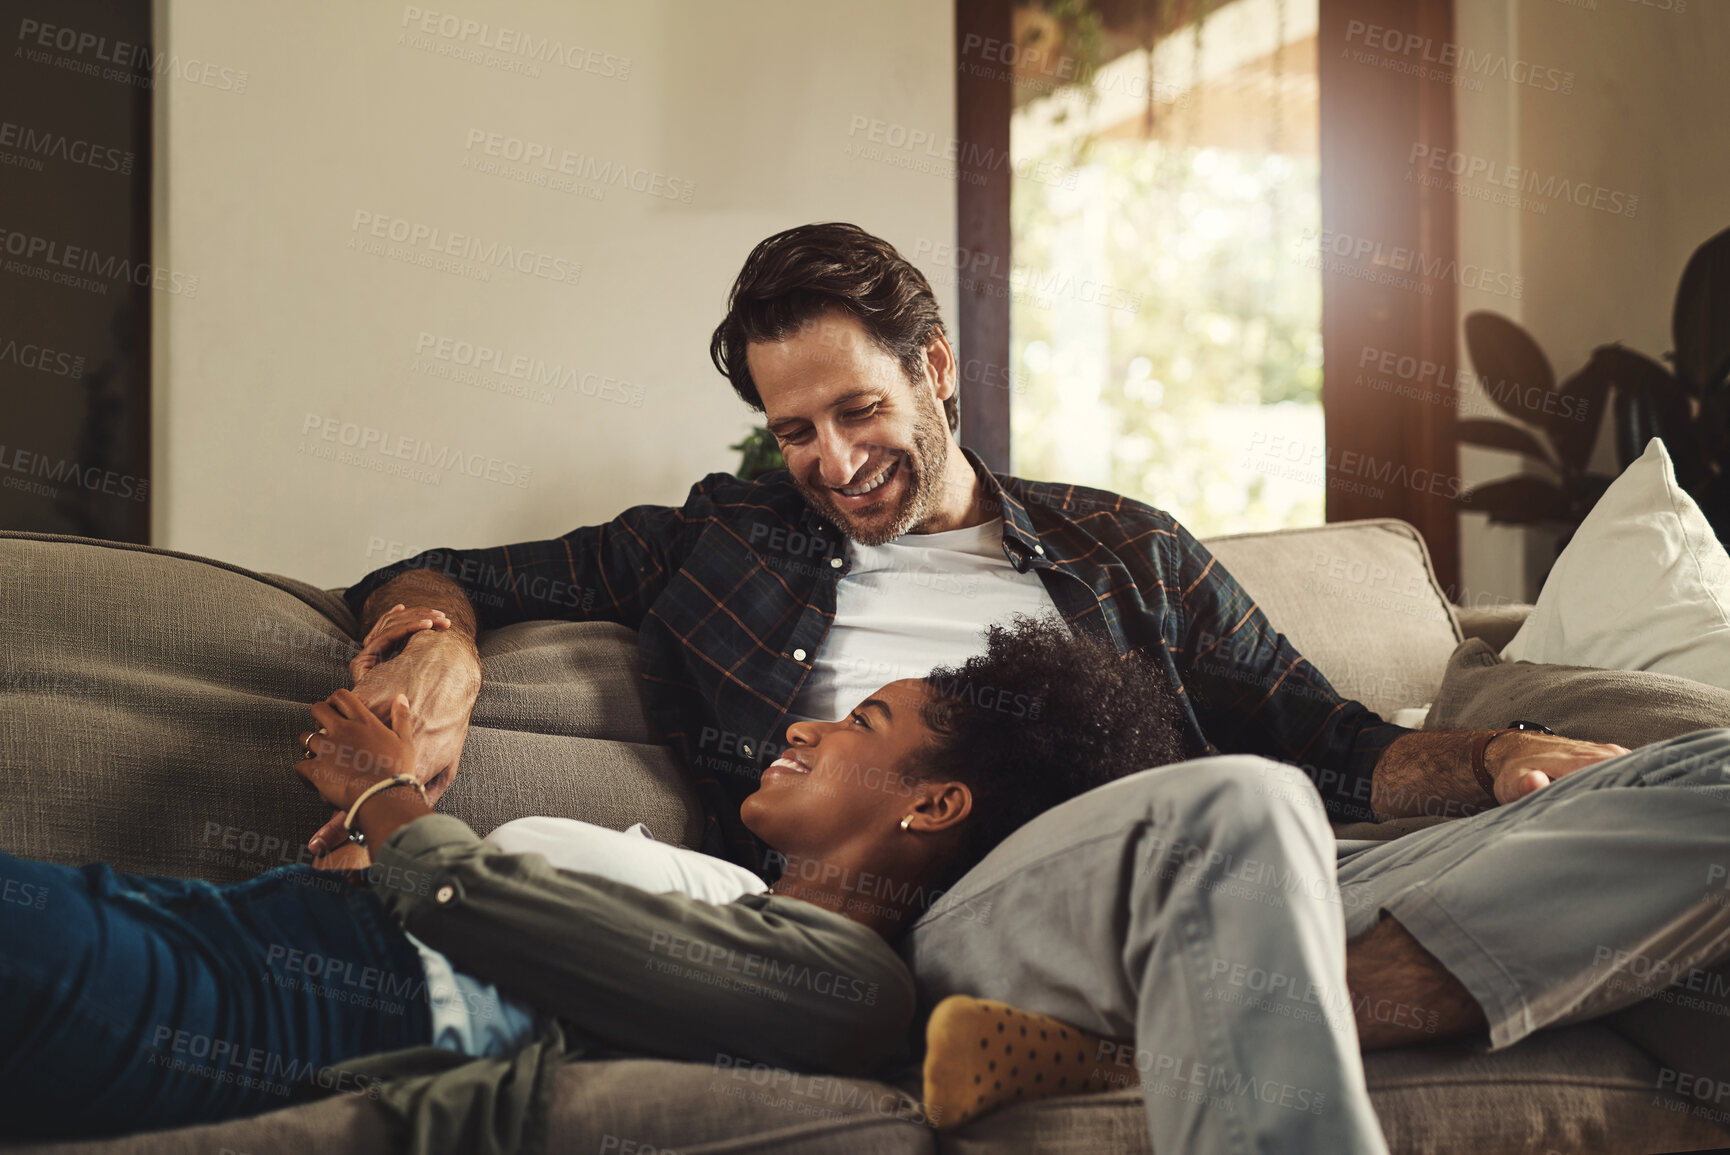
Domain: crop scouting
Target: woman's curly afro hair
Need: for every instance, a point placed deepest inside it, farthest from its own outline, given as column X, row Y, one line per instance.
column 1040, row 717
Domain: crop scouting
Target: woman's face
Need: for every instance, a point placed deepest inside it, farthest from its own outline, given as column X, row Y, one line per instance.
column 842, row 781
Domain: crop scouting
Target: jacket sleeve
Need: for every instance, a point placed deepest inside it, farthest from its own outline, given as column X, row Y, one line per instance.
column 1255, row 694
column 609, row 572
column 764, row 979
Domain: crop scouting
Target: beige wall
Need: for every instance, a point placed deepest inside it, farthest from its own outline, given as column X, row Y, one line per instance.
column 737, row 118
column 1647, row 118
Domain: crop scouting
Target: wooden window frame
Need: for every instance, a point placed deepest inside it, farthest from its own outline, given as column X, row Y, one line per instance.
column 1370, row 119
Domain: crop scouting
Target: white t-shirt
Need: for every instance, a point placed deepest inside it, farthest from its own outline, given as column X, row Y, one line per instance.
column 919, row 601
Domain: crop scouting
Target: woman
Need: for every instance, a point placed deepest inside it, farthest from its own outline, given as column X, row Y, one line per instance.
column 131, row 1002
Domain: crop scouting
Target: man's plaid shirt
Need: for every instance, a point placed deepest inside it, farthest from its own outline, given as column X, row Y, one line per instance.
column 726, row 589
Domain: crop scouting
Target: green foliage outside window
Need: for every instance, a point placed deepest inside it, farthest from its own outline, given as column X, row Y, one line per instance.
column 1211, row 248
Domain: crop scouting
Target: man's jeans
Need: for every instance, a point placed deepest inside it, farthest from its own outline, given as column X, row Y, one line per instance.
column 1195, row 908
column 130, row 1002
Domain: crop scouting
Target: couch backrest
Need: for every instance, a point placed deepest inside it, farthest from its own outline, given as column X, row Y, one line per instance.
column 1359, row 599
column 149, row 700
column 150, row 703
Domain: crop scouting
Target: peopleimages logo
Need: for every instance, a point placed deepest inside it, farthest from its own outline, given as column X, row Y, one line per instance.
column 59, row 146
column 1448, row 62
column 60, row 471
column 138, row 64
column 64, row 264
column 1363, row 258
column 431, row 241
column 534, row 372
column 1420, row 374
column 513, row 42
column 1524, row 180
column 438, row 460
column 41, row 358
column 584, row 167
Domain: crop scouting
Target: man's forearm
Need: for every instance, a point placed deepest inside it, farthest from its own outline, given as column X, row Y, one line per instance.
column 1428, row 773
column 419, row 587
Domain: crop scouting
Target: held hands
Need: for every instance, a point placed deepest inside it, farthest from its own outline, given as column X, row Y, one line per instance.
column 413, row 652
column 1524, row 761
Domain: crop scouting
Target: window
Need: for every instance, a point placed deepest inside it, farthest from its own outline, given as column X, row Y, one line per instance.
column 1165, row 317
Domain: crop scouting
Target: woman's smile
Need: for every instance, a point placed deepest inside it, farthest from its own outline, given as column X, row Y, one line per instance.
column 788, row 763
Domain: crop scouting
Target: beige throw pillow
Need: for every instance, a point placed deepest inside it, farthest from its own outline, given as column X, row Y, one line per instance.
column 1632, row 707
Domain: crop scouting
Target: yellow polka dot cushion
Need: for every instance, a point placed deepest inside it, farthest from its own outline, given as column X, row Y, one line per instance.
column 981, row 1054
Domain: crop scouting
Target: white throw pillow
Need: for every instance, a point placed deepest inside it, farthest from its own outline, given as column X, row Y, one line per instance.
column 1643, row 585
column 1412, row 717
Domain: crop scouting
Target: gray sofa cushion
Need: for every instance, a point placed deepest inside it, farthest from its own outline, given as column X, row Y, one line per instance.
column 1573, row 1089
column 151, row 703
column 622, row 1107
column 1496, row 624
column 1576, row 1089
column 1631, row 707
column 1359, row 599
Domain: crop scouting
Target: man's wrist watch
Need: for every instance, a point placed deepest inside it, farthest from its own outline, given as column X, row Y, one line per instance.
column 1483, row 743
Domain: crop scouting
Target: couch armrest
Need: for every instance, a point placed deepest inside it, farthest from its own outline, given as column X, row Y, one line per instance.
column 1497, row 625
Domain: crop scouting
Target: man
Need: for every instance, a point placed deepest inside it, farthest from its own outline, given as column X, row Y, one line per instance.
column 884, row 549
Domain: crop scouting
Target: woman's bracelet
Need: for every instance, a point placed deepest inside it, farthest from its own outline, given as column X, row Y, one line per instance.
column 354, row 835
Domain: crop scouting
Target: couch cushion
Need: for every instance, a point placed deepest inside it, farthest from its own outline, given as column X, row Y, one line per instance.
column 1359, row 599
column 149, row 703
column 1575, row 1089
column 1631, row 707
column 625, row 1107
column 1644, row 584
column 1579, row 1088
column 1495, row 623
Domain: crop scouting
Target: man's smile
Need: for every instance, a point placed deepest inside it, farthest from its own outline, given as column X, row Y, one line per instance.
column 855, row 496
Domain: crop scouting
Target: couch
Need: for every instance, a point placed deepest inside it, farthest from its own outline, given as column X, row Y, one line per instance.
column 149, row 703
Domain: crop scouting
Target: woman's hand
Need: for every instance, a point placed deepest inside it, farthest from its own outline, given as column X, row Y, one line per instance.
column 354, row 750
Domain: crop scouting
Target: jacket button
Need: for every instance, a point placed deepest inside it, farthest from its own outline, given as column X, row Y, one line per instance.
column 745, row 748
column 834, row 563
column 798, row 655
column 1040, row 550
column 445, row 894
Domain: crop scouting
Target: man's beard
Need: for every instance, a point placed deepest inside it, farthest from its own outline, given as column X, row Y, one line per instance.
column 921, row 494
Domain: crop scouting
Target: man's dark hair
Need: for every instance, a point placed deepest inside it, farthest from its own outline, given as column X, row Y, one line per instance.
column 796, row 276
column 1039, row 718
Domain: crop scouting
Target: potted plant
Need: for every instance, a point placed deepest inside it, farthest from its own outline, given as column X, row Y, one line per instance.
column 1685, row 403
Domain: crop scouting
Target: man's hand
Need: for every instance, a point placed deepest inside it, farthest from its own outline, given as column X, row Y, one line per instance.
column 1429, row 772
column 1527, row 760
column 397, row 625
column 440, row 672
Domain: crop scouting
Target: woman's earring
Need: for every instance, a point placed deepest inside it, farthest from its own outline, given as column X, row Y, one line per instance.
column 907, row 822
